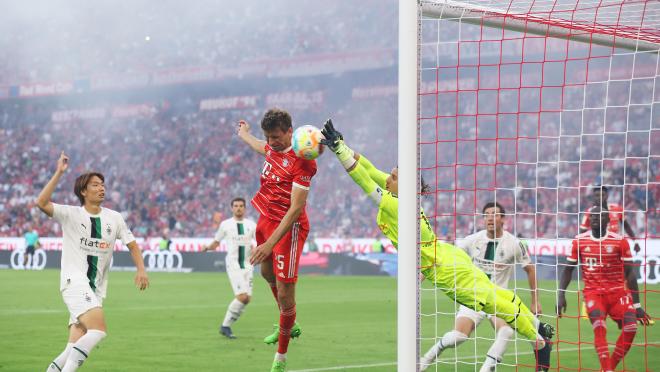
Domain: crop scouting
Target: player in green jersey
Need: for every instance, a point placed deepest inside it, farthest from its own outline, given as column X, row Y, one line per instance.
column 448, row 267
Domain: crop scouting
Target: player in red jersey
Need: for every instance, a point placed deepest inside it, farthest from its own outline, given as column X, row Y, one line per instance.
column 607, row 266
column 599, row 198
column 283, row 225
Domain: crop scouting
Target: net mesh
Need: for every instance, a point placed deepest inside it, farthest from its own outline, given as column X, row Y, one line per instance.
column 514, row 107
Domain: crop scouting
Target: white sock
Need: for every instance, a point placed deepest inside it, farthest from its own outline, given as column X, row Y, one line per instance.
column 280, row 357
column 449, row 340
column 497, row 349
column 58, row 363
column 234, row 312
column 81, row 349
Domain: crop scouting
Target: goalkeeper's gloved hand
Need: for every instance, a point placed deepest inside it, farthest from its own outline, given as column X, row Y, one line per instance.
column 333, row 138
column 335, row 142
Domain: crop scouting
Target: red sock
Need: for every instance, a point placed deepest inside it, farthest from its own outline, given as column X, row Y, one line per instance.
column 287, row 320
column 273, row 288
column 600, row 342
column 623, row 343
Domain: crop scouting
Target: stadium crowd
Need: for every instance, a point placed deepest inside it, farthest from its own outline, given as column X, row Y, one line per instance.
column 109, row 38
column 178, row 169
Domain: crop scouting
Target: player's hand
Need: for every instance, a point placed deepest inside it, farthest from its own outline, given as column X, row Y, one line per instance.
column 260, row 253
column 141, row 280
column 561, row 305
column 62, row 163
column 332, row 137
column 642, row 317
column 243, row 128
column 536, row 308
column 205, row 248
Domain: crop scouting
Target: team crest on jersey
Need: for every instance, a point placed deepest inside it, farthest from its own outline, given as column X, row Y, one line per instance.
column 609, row 248
column 285, row 162
column 108, row 229
column 590, row 304
column 587, row 249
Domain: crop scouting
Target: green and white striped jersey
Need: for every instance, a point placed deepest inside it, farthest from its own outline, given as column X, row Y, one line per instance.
column 88, row 243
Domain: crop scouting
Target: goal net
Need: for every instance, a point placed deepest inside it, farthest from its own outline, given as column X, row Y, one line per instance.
column 530, row 104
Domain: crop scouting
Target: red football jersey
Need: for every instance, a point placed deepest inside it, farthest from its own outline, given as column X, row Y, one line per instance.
column 601, row 260
column 616, row 217
column 281, row 172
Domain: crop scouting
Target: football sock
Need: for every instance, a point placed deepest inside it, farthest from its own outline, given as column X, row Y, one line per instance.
column 287, row 320
column 623, row 343
column 234, row 312
column 81, row 349
column 600, row 342
column 497, row 349
column 58, row 363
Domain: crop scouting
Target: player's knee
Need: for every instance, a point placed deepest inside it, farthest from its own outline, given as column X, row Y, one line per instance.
column 243, row 298
column 505, row 333
column 454, row 338
column 599, row 324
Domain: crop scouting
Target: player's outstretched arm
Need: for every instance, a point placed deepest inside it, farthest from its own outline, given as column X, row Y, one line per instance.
column 211, row 247
column 43, row 200
column 566, row 277
column 376, row 174
column 247, row 137
column 141, row 278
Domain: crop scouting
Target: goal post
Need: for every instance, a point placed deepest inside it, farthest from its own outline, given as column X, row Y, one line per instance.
column 529, row 103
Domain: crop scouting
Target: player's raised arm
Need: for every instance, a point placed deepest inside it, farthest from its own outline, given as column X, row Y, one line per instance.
column 353, row 163
column 247, row 137
column 43, row 200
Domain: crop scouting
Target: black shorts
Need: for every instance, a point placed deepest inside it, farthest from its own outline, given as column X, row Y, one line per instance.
column 30, row 249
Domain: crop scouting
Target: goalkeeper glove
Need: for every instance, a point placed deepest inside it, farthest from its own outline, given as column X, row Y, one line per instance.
column 335, row 142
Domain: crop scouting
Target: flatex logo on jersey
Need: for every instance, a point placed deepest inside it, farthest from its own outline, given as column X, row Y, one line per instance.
column 37, row 261
column 169, row 261
column 94, row 243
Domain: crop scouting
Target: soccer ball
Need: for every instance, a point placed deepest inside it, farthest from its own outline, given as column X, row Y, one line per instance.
column 306, row 142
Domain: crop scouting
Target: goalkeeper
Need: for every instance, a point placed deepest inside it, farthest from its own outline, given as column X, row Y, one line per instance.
column 446, row 266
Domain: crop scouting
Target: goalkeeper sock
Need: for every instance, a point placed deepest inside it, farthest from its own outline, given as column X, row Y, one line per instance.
column 81, row 349
column 623, row 343
column 234, row 312
column 287, row 320
column 58, row 363
column 498, row 348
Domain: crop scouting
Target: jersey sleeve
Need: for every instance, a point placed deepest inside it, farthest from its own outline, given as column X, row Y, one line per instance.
column 573, row 257
column 375, row 174
column 303, row 176
column 585, row 221
column 360, row 176
column 626, row 255
column 522, row 253
column 220, row 234
column 124, row 234
column 61, row 213
column 466, row 243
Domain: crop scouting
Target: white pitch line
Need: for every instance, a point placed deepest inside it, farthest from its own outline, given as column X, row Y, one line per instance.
column 339, row 368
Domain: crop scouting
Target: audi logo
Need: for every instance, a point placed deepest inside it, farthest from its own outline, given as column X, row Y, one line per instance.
column 37, row 261
column 163, row 260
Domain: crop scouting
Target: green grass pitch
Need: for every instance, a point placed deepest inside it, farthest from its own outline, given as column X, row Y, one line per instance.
column 349, row 323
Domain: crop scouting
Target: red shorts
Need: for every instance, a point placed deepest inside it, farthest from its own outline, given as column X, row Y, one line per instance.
column 286, row 253
column 615, row 304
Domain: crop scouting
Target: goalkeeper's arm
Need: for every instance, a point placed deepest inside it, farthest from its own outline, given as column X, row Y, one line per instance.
column 354, row 163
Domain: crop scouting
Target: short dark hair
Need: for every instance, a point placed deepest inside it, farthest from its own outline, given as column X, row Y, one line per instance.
column 81, row 184
column 238, row 199
column 599, row 187
column 493, row 204
column 276, row 118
